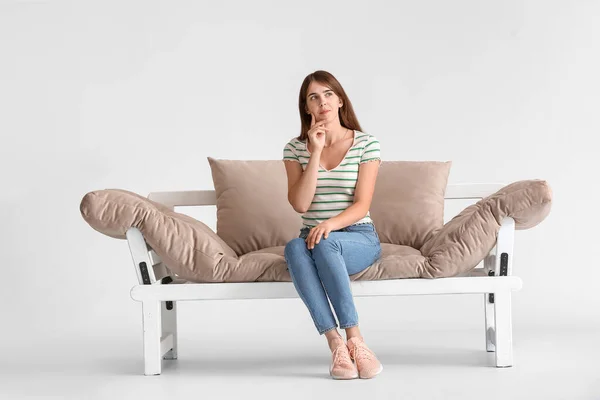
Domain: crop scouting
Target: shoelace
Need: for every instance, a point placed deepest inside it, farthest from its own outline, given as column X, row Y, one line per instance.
column 339, row 353
column 360, row 352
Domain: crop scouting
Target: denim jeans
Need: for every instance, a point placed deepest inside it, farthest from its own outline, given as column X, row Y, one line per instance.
column 325, row 271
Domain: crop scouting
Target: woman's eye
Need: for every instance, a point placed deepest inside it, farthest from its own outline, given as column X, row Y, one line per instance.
column 314, row 97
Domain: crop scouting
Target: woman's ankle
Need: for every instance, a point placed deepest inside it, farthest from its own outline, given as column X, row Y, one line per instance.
column 353, row 332
column 334, row 339
column 335, row 343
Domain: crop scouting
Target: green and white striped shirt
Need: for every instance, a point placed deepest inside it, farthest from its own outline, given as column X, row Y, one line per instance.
column 335, row 188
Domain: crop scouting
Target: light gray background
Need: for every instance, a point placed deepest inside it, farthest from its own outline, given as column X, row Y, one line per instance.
column 136, row 94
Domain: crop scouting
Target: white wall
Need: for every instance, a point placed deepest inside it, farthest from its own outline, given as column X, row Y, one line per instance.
column 136, row 94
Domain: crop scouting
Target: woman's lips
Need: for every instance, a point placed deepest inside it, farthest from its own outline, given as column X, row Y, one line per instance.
column 324, row 112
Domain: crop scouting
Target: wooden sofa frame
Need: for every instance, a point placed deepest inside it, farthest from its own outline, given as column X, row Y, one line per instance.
column 159, row 290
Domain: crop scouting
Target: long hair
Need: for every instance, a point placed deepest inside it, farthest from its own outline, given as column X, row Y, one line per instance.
column 346, row 112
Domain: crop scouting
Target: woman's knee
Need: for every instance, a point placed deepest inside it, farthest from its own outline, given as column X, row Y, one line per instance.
column 326, row 245
column 293, row 247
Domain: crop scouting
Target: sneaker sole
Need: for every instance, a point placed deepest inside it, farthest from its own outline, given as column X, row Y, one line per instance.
column 374, row 375
column 343, row 377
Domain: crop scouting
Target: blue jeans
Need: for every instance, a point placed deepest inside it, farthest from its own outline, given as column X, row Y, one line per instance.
column 325, row 271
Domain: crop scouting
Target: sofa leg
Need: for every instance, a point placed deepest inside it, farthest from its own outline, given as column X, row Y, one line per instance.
column 151, row 311
column 169, row 326
column 490, row 334
column 503, row 322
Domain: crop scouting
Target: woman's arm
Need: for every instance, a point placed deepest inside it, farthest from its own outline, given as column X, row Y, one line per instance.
column 302, row 185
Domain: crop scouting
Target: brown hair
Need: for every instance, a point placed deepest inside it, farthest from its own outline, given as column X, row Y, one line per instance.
column 346, row 112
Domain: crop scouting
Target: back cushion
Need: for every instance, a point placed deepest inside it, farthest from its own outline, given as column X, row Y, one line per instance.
column 408, row 202
column 253, row 211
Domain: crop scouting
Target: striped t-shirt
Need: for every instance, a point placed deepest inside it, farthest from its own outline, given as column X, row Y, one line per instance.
column 335, row 188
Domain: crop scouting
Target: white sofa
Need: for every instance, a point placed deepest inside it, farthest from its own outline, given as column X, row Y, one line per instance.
column 159, row 292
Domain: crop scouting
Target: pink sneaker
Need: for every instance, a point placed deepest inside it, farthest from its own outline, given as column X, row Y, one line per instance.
column 367, row 363
column 342, row 366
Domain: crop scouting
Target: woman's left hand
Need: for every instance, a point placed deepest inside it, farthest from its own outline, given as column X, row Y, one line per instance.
column 314, row 236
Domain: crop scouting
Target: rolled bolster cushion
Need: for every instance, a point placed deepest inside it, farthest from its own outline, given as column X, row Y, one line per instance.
column 467, row 239
column 191, row 249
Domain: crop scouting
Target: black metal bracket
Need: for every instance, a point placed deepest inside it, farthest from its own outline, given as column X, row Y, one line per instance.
column 503, row 272
column 164, row 281
column 144, row 272
column 491, row 295
column 504, row 264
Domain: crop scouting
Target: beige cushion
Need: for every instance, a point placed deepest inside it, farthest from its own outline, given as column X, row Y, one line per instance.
column 187, row 246
column 194, row 252
column 253, row 211
column 408, row 202
column 466, row 239
column 454, row 250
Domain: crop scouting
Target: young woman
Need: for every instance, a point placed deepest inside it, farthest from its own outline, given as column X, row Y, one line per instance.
column 331, row 169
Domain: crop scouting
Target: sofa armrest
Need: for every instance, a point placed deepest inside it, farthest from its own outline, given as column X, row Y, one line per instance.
column 494, row 261
column 149, row 268
column 185, row 198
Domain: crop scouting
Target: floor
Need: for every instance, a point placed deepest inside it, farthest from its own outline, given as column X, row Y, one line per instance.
column 417, row 365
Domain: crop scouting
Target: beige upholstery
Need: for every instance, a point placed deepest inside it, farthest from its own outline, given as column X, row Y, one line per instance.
column 409, row 249
column 408, row 202
column 466, row 239
column 253, row 212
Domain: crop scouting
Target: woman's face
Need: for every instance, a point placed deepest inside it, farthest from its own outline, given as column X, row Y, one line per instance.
column 322, row 102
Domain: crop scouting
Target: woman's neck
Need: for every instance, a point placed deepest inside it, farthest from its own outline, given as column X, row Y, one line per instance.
column 336, row 133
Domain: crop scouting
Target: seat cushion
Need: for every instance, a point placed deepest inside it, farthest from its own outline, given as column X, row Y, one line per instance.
column 194, row 252
column 453, row 250
column 268, row 265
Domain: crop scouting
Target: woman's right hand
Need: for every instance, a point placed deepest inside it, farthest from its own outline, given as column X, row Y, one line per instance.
column 317, row 134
